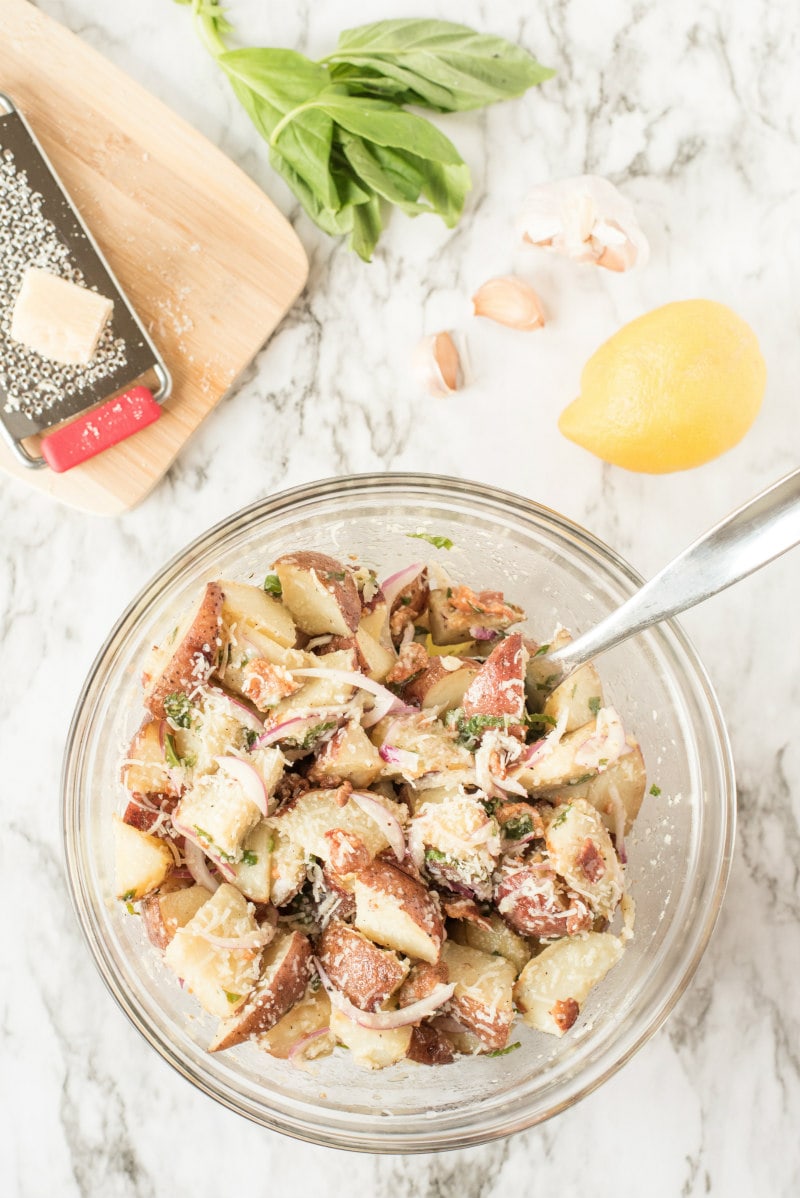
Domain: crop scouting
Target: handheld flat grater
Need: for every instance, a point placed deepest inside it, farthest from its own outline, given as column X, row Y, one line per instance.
column 78, row 411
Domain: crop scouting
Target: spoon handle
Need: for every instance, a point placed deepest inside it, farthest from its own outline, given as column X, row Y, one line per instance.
column 756, row 533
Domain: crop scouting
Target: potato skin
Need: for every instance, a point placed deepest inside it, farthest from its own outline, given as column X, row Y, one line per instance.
column 364, row 973
column 499, row 687
column 275, row 993
column 380, row 878
column 329, row 578
column 195, row 656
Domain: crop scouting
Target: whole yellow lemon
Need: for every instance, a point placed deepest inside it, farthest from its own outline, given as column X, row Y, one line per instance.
column 671, row 390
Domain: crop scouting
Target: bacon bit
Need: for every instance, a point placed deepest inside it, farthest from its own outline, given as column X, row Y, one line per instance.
column 429, row 1046
column 411, row 661
column 290, row 787
column 485, row 603
column 590, row 859
column 343, row 792
column 266, row 684
column 421, row 981
column 464, row 908
column 564, row 1013
column 348, row 852
column 409, row 605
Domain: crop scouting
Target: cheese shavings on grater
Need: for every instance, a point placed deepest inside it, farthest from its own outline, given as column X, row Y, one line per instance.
column 91, row 407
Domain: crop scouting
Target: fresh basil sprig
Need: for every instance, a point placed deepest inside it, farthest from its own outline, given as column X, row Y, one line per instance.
column 338, row 130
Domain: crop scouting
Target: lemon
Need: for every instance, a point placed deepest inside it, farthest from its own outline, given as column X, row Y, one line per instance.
column 671, row 390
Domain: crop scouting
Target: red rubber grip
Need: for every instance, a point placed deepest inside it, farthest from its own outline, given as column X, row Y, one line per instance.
column 99, row 429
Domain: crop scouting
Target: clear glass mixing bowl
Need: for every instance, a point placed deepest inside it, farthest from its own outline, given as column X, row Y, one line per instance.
column 679, row 852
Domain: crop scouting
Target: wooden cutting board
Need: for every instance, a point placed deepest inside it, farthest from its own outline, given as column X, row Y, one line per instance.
column 208, row 262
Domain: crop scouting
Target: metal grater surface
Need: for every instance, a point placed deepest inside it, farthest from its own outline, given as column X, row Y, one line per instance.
column 39, row 227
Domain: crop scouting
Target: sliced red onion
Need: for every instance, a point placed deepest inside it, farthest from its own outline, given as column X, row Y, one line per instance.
column 384, row 1021
column 607, row 743
column 398, row 582
column 479, row 633
column 246, row 942
column 385, row 700
column 388, row 823
column 248, row 778
column 317, row 641
column 292, row 729
column 245, row 716
column 402, row 757
column 196, row 865
column 299, row 1046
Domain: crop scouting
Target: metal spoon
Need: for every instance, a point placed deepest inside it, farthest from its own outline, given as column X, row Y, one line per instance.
column 750, row 537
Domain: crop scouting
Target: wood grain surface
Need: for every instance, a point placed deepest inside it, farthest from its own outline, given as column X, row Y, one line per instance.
column 208, row 262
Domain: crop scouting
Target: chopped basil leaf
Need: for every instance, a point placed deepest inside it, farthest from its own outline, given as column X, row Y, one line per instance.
column 231, row 997
column 594, row 704
column 312, row 736
column 579, row 781
column 405, row 600
column 502, row 1052
column 128, row 895
column 537, row 719
column 435, row 855
column 272, row 585
column 336, row 576
column 179, row 709
column 517, row 827
column 655, row 791
column 216, row 850
column 470, row 730
column 560, row 818
column 249, row 736
column 449, row 593
column 540, row 652
column 249, row 858
column 437, row 542
column 170, row 752
column 129, row 907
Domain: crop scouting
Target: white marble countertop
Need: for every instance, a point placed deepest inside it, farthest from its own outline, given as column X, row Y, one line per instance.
column 692, row 109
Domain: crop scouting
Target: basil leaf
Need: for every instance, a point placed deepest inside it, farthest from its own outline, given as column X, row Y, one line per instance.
column 449, row 67
column 388, row 172
column 386, row 125
column 367, row 225
column 279, row 82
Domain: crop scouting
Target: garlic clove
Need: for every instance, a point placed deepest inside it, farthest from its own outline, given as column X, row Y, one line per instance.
column 587, row 219
column 437, row 365
column 509, row 301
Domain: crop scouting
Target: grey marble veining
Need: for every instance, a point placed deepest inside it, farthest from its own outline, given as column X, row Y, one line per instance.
column 693, row 110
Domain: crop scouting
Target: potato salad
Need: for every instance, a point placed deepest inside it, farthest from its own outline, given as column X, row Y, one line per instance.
column 361, row 813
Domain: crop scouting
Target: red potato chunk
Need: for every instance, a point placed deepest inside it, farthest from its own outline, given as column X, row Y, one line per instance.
column 482, row 1000
column 320, row 593
column 144, row 811
column 397, row 911
column 443, row 683
column 535, row 902
column 364, row 973
column 169, row 908
column 422, row 980
column 145, row 770
column 284, row 976
column 499, row 687
column 188, row 657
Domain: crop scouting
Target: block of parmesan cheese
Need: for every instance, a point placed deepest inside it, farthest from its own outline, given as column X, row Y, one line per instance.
column 57, row 319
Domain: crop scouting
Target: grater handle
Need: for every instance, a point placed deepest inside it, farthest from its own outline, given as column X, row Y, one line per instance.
column 99, row 429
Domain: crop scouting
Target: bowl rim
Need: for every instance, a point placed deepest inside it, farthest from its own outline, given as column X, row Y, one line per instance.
column 442, row 487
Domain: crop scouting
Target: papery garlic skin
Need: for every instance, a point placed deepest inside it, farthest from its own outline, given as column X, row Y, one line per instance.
column 509, row 301
column 587, row 219
column 437, row 365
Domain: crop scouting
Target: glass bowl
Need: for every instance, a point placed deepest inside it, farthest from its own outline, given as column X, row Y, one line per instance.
column 679, row 851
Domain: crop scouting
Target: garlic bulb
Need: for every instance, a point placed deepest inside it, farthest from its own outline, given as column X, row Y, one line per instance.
column 437, row 365
column 587, row 219
column 510, row 301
